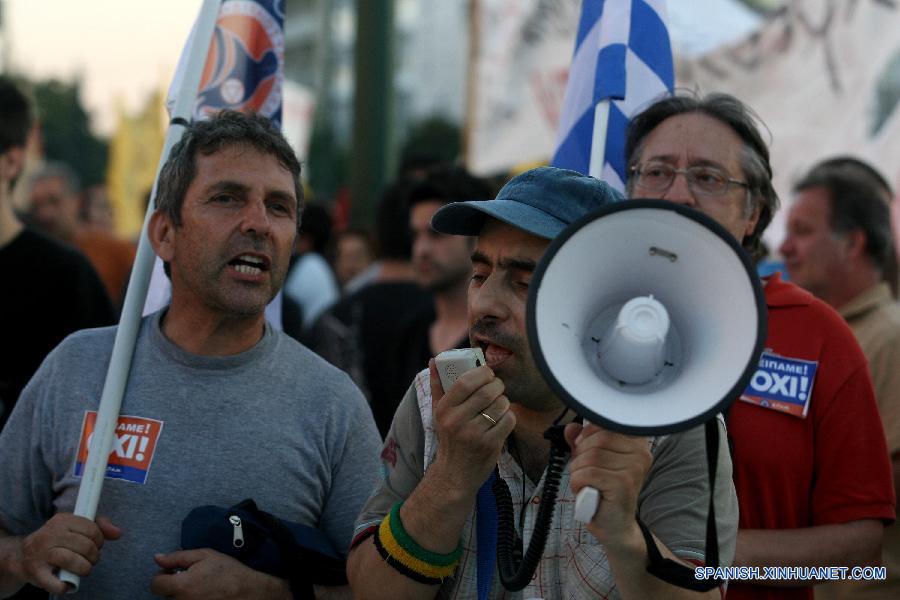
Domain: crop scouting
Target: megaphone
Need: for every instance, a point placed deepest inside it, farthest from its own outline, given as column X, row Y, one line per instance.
column 646, row 317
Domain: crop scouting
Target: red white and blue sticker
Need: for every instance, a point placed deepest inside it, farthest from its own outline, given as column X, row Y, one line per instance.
column 782, row 383
column 133, row 447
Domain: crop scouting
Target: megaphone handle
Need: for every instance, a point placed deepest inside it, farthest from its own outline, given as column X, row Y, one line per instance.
column 587, row 501
column 71, row 580
column 586, row 504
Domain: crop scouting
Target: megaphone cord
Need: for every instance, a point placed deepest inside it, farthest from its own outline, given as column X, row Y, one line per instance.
column 515, row 569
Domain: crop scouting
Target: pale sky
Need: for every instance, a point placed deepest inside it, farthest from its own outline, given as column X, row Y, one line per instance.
column 123, row 48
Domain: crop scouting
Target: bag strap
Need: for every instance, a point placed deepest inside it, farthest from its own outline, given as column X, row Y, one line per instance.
column 674, row 572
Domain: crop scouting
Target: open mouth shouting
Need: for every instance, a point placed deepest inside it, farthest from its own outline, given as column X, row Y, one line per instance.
column 250, row 265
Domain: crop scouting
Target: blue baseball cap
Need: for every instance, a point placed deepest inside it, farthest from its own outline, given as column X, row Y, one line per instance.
column 542, row 201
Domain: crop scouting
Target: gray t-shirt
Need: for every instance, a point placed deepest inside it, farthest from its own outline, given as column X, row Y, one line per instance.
column 275, row 423
column 673, row 503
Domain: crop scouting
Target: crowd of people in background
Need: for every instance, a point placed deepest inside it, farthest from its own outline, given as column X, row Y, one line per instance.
column 378, row 303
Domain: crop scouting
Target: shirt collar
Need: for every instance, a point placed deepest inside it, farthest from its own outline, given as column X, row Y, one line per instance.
column 867, row 300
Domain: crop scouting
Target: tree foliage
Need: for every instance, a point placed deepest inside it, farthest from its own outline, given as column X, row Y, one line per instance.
column 327, row 167
column 66, row 130
column 433, row 139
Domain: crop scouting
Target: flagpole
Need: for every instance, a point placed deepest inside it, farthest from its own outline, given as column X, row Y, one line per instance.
column 471, row 79
column 598, row 139
column 123, row 348
column 588, row 499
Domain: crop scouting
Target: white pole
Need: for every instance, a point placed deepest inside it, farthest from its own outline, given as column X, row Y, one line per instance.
column 588, row 500
column 130, row 322
column 598, row 139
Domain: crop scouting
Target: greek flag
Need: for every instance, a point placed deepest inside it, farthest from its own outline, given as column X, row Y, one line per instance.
column 623, row 61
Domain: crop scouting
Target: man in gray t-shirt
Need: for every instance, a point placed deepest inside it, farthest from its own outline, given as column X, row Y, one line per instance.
column 219, row 407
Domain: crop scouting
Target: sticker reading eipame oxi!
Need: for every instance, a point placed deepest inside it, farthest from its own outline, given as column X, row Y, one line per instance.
column 133, row 447
column 783, row 384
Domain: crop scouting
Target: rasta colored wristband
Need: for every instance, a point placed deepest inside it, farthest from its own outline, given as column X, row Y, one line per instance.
column 402, row 552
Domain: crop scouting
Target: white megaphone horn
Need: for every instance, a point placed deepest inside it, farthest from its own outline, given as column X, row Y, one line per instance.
column 645, row 317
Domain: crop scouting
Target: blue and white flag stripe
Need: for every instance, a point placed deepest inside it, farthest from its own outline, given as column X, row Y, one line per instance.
column 622, row 54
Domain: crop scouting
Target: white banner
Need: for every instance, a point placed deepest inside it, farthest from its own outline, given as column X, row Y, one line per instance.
column 520, row 66
column 816, row 73
column 297, row 118
column 817, row 76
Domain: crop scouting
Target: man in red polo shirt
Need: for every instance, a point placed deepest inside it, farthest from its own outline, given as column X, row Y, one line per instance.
column 811, row 467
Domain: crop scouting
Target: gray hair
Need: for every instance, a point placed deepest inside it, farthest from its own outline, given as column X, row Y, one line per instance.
column 754, row 158
column 54, row 169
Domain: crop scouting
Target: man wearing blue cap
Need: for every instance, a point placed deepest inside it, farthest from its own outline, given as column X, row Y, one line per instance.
column 419, row 535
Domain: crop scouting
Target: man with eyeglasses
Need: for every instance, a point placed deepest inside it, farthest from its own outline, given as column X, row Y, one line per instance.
column 811, row 467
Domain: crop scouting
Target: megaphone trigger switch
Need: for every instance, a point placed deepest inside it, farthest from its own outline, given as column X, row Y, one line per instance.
column 586, row 504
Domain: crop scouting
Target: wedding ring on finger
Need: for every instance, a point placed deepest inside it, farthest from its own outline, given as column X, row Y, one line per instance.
column 489, row 419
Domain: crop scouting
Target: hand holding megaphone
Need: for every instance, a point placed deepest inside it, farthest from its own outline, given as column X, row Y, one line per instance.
column 616, row 464
column 587, row 501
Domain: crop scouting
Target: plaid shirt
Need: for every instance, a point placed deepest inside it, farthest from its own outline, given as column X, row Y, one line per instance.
column 673, row 504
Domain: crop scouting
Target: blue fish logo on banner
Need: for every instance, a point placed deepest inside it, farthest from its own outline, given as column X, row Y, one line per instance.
column 245, row 60
column 782, row 384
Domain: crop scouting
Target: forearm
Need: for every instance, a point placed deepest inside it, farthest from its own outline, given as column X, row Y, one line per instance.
column 340, row 592
column 841, row 545
column 372, row 578
column 270, row 587
column 434, row 516
column 436, row 512
column 11, row 575
column 628, row 560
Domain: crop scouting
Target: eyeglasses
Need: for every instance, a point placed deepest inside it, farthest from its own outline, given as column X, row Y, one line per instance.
column 702, row 180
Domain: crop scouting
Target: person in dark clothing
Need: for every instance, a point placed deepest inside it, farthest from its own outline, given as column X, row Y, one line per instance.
column 52, row 290
column 360, row 332
column 442, row 266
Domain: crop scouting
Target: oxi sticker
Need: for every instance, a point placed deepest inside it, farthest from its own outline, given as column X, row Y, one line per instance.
column 133, row 447
column 782, row 384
